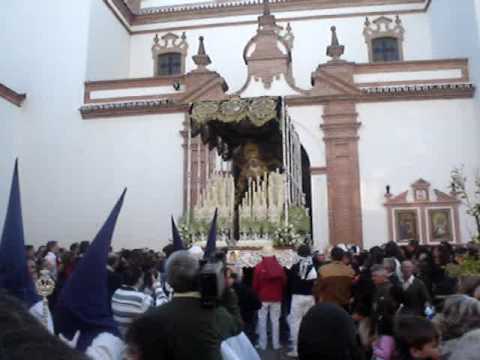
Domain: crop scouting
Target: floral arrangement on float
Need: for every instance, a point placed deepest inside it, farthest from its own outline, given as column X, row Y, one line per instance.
column 286, row 236
column 186, row 232
column 300, row 220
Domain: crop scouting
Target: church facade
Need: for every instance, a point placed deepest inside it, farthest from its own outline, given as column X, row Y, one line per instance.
column 95, row 96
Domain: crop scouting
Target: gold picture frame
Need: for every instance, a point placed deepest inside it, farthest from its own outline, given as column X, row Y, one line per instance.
column 440, row 225
column 406, row 225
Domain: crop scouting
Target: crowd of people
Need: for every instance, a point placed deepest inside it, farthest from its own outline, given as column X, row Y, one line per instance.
column 391, row 302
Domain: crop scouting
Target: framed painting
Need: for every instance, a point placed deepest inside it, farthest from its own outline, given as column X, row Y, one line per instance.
column 406, row 225
column 440, row 225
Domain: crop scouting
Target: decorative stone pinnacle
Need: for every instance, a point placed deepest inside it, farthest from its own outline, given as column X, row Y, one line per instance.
column 266, row 7
column 335, row 50
column 201, row 46
column 397, row 20
column 201, row 59
column 367, row 22
column 156, row 39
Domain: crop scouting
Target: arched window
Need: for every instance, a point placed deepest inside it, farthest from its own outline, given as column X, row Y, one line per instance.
column 384, row 39
column 169, row 64
column 385, row 49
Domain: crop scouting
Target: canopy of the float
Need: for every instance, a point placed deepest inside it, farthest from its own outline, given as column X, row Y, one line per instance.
column 230, row 123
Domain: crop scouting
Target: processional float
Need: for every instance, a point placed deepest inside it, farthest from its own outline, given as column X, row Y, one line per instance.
column 256, row 180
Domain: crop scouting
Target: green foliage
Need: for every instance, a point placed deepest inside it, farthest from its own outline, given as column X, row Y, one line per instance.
column 470, row 266
column 186, row 234
column 472, row 203
column 298, row 217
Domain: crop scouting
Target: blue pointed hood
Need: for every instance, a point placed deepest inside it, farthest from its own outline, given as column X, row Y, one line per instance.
column 212, row 237
column 83, row 303
column 177, row 239
column 14, row 276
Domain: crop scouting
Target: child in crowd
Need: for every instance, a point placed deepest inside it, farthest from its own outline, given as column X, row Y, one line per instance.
column 416, row 338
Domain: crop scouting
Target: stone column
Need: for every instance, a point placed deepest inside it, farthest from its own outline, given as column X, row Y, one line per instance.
column 340, row 127
column 334, row 80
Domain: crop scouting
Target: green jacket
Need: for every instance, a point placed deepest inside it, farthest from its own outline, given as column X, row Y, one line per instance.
column 183, row 330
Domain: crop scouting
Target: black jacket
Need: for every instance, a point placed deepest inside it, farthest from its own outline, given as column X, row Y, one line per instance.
column 415, row 297
column 297, row 284
column 182, row 330
column 247, row 301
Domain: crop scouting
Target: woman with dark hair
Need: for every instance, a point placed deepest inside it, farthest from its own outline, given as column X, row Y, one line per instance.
column 442, row 283
column 327, row 332
column 23, row 337
column 375, row 257
column 392, row 250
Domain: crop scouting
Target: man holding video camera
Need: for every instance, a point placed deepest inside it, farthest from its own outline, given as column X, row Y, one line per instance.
column 194, row 324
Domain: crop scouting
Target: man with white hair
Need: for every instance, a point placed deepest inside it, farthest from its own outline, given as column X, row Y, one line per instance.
column 183, row 328
column 415, row 294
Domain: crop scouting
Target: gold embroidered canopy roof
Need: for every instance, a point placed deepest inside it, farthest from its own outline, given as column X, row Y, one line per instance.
column 257, row 111
column 229, row 124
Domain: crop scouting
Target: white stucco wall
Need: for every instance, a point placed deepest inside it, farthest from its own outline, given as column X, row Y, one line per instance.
column 454, row 29
column 9, row 117
column 321, row 231
column 141, row 61
column 402, row 142
column 73, row 170
column 46, row 60
column 225, row 46
column 108, row 45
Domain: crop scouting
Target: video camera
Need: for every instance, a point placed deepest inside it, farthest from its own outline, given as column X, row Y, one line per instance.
column 212, row 280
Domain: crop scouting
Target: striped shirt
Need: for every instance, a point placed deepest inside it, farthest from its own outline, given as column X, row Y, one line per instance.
column 128, row 304
column 163, row 293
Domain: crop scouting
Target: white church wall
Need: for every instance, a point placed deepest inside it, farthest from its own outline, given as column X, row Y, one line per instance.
column 49, row 66
column 9, row 117
column 233, row 19
column 145, row 154
column 409, row 76
column 477, row 14
column 226, row 58
column 455, row 31
column 311, row 40
column 320, row 212
column 73, row 170
column 127, row 92
column 279, row 87
column 153, row 3
column 404, row 141
column 108, row 45
column 307, row 120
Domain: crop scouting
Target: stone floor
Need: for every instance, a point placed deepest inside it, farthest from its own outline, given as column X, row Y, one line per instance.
column 274, row 354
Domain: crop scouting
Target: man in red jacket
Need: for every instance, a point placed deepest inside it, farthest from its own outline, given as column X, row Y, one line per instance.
column 269, row 281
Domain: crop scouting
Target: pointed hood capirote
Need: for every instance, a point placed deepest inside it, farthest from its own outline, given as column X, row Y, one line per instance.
column 212, row 237
column 14, row 276
column 83, row 304
column 177, row 239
